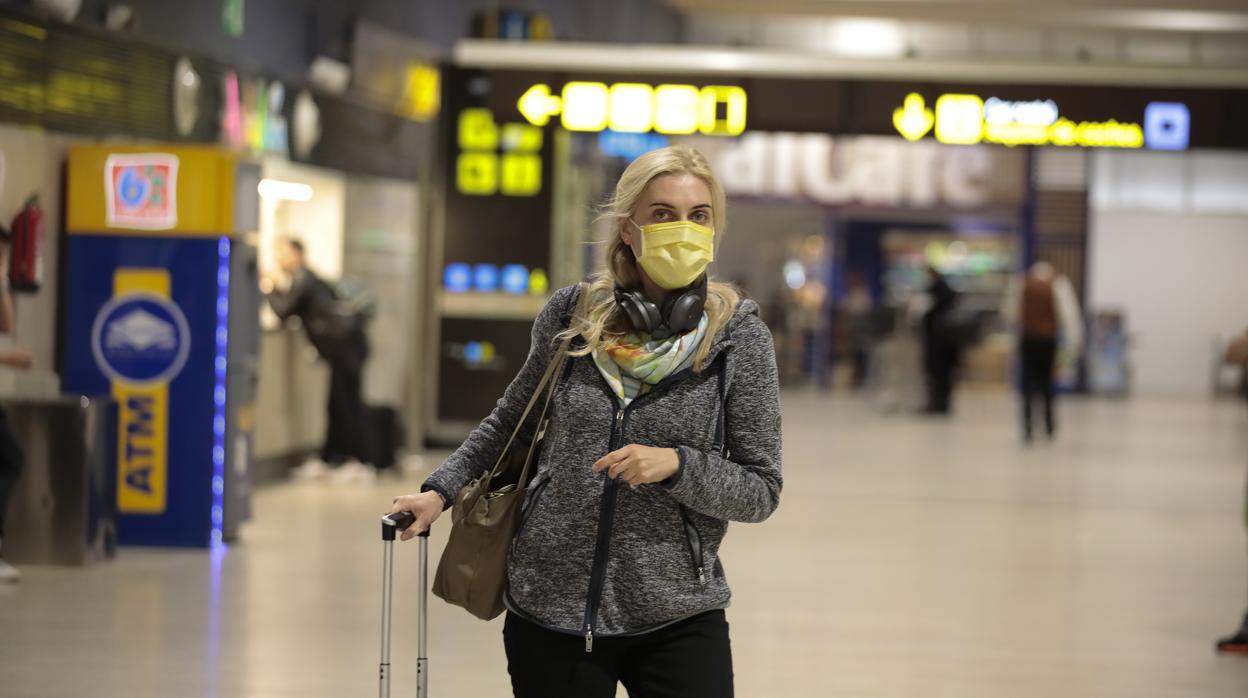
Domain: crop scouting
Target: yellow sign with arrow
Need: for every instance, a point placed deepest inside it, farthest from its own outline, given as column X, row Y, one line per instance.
column 714, row 110
column 913, row 119
column 967, row 119
column 537, row 105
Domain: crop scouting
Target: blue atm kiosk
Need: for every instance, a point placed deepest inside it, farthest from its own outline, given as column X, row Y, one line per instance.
column 161, row 312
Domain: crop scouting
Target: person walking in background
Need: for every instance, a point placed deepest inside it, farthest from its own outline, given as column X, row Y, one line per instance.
column 1043, row 307
column 340, row 341
column 11, row 459
column 860, row 320
column 1237, row 353
column 940, row 348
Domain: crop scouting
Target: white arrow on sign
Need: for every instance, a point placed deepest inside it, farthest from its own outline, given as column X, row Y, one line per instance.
column 537, row 105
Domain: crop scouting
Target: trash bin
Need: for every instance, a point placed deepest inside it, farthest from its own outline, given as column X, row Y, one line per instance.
column 64, row 509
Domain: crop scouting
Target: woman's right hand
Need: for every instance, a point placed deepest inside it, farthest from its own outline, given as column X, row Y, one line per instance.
column 427, row 506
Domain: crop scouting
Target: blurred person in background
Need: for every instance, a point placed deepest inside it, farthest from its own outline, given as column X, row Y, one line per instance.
column 614, row 575
column 11, row 459
column 860, row 318
column 898, row 379
column 340, row 341
column 1043, row 307
column 940, row 347
column 1237, row 353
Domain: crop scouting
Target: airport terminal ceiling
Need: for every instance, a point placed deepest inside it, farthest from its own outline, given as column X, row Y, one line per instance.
column 1154, row 15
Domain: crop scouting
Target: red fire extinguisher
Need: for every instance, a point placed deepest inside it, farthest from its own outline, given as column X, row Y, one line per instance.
column 25, row 257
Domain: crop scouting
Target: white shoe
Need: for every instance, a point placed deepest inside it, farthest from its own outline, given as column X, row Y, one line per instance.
column 355, row 472
column 9, row 573
column 312, row 469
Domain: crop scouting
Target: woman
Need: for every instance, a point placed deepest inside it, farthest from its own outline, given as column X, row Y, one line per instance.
column 614, row 574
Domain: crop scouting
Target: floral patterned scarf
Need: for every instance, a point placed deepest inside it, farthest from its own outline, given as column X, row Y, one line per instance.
column 636, row 362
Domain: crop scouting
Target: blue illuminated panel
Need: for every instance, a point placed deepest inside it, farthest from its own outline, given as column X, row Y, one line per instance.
column 219, row 393
column 1167, row 126
column 515, row 279
column 457, row 278
column 485, row 278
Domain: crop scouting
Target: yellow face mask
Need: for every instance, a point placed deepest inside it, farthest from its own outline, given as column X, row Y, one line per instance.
column 675, row 254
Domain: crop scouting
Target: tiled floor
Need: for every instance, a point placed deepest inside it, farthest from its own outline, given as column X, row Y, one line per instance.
column 909, row 558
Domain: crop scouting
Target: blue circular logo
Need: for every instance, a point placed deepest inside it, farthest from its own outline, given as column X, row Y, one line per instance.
column 140, row 338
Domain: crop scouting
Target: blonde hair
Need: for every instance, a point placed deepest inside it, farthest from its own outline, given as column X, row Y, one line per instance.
column 601, row 322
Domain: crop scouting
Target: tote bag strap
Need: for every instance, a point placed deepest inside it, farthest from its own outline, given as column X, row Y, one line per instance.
column 556, row 362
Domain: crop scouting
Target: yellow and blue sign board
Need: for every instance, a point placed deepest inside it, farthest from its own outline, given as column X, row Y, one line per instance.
column 968, row 119
column 141, row 322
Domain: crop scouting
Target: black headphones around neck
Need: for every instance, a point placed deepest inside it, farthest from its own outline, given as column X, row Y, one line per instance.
column 680, row 312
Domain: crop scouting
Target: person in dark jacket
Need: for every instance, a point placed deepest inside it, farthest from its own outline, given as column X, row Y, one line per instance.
column 940, row 348
column 614, row 575
column 340, row 341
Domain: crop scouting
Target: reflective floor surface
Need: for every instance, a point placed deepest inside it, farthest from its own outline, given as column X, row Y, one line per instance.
column 910, row 557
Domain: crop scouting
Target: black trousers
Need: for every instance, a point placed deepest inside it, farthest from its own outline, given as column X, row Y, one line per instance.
column 11, row 460
column 689, row 659
column 346, row 435
column 1038, row 356
column 940, row 362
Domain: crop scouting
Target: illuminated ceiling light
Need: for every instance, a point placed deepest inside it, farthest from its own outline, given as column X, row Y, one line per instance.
column 585, row 106
column 285, row 191
column 868, row 38
column 632, row 107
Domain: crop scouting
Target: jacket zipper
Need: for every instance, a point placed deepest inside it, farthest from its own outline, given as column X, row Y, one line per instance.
column 606, row 511
column 606, row 519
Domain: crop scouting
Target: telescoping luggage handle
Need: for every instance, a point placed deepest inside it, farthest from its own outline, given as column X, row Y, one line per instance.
column 391, row 525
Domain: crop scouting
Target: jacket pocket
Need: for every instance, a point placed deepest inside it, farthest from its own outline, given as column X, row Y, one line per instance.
column 530, row 505
column 694, row 538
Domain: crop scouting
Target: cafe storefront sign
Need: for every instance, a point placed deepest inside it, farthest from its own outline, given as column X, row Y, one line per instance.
column 865, row 170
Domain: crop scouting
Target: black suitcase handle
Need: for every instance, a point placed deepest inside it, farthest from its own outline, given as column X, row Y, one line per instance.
column 399, row 521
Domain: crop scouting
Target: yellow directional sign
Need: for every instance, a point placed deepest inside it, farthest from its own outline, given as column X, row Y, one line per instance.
column 537, row 105
column 967, row 119
column 913, row 119
column 959, row 119
column 714, row 110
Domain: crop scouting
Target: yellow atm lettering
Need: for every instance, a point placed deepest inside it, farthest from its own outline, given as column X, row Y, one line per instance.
column 139, row 444
column 143, row 418
column 142, row 453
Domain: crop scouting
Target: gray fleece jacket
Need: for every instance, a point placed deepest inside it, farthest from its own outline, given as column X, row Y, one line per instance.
column 596, row 558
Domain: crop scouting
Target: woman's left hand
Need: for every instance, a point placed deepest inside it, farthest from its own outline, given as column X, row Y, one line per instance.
column 639, row 465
